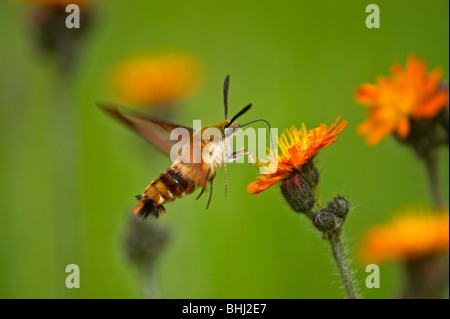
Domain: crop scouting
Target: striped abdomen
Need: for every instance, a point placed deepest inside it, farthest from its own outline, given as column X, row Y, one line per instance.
column 167, row 187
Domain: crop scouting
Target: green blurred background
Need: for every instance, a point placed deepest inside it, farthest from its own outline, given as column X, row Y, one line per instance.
column 296, row 61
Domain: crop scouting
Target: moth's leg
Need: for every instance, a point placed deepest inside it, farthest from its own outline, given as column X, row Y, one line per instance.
column 225, row 166
column 226, row 177
column 210, row 192
column 242, row 152
column 203, row 189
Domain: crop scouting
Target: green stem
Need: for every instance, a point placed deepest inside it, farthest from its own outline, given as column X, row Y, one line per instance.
column 65, row 179
column 343, row 265
column 428, row 277
column 149, row 280
column 432, row 163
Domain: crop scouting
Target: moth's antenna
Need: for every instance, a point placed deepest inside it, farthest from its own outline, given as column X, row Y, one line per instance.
column 225, row 95
column 245, row 109
column 270, row 131
column 225, row 103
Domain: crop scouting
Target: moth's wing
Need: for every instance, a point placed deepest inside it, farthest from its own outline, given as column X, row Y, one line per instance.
column 193, row 165
column 153, row 129
column 157, row 132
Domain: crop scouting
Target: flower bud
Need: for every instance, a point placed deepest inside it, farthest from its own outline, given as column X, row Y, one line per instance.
column 298, row 193
column 310, row 173
column 444, row 119
column 324, row 220
column 339, row 207
column 427, row 134
column 145, row 240
column 52, row 35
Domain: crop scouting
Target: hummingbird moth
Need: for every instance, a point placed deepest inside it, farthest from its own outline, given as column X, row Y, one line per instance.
column 184, row 176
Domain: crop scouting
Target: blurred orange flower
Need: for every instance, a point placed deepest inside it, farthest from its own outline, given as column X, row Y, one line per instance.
column 297, row 147
column 408, row 93
column 412, row 234
column 149, row 81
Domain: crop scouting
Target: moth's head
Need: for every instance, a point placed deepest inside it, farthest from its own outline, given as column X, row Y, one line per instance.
column 230, row 129
column 226, row 128
column 232, row 126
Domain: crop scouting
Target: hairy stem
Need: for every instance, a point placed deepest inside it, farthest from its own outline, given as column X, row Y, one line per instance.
column 343, row 265
column 432, row 163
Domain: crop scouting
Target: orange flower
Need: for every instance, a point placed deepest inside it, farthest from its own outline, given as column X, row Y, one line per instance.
column 413, row 234
column 298, row 146
column 409, row 93
column 149, row 81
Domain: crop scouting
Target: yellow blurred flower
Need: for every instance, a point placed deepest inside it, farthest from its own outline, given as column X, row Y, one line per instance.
column 408, row 94
column 149, row 81
column 412, row 234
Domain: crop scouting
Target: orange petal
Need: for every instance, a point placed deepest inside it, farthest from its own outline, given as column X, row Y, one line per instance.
column 397, row 69
column 432, row 106
column 432, row 81
column 263, row 183
column 415, row 68
column 365, row 128
column 378, row 133
column 367, row 94
column 403, row 127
